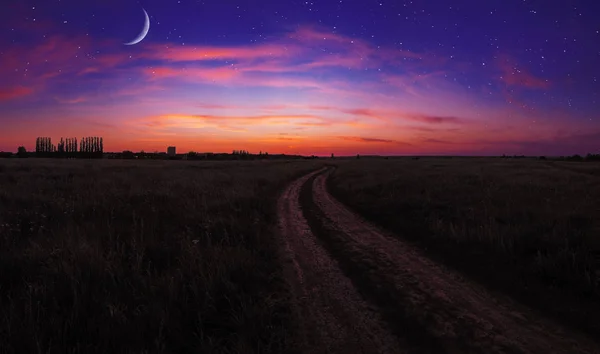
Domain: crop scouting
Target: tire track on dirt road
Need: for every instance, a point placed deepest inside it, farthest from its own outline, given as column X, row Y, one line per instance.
column 438, row 303
column 333, row 317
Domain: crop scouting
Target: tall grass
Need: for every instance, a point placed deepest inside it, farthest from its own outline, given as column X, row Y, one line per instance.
column 153, row 256
column 522, row 226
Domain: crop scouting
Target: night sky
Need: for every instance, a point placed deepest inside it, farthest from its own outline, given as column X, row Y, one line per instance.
column 309, row 77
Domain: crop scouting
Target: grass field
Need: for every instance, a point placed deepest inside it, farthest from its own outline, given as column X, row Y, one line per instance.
column 181, row 256
column 525, row 227
column 153, row 256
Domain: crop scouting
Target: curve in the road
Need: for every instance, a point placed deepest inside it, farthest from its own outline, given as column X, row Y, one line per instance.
column 334, row 318
column 349, row 274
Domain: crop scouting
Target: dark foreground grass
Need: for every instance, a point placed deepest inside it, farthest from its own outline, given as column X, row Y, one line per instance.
column 526, row 227
column 153, row 256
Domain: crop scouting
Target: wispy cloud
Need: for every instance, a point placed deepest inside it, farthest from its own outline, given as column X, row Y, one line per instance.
column 231, row 123
column 353, row 47
column 362, row 112
column 14, row 92
column 74, row 100
column 438, row 141
column 515, row 75
column 394, row 115
column 372, row 140
column 434, row 119
column 289, row 61
column 191, row 74
column 174, row 53
column 333, row 90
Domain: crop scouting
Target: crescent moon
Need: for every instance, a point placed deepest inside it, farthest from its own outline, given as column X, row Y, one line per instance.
column 144, row 32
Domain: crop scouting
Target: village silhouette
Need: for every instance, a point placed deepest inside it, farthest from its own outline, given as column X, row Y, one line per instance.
column 92, row 147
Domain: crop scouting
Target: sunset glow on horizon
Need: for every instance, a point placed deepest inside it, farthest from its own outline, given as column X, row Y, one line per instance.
column 364, row 77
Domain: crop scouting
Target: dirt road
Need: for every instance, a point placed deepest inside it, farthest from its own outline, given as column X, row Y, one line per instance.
column 359, row 289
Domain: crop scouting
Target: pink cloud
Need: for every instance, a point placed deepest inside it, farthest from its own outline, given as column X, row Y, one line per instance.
column 394, row 115
column 55, row 57
column 434, row 119
column 276, row 107
column 209, row 74
column 214, row 106
column 363, row 112
column 72, row 100
column 336, row 60
column 372, row 140
column 14, row 92
column 251, row 65
column 321, row 108
column 230, row 75
column 282, row 55
column 358, row 48
column 513, row 74
column 203, row 53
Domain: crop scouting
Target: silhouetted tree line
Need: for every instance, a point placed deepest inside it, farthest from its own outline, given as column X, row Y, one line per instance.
column 513, row 157
column 593, row 157
column 192, row 155
column 576, row 157
column 572, row 158
column 43, row 146
column 89, row 147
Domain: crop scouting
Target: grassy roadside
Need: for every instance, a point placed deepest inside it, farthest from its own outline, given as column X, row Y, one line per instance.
column 152, row 256
column 520, row 227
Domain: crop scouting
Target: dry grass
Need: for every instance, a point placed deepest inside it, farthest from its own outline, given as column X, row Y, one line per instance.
column 152, row 256
column 525, row 227
column 590, row 168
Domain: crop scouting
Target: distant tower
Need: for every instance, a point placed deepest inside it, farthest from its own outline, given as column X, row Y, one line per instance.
column 332, row 155
column 171, row 151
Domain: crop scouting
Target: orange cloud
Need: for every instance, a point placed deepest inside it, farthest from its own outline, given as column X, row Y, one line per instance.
column 230, row 123
column 165, row 122
column 313, row 124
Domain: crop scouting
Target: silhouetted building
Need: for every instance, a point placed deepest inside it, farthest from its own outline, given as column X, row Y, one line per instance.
column 171, row 151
